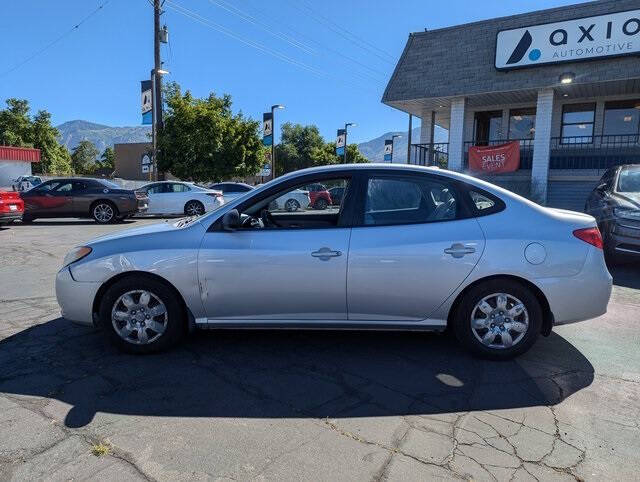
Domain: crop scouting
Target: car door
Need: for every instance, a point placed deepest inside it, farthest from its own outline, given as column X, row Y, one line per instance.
column 294, row 272
column 156, row 198
column 37, row 200
column 81, row 196
column 412, row 245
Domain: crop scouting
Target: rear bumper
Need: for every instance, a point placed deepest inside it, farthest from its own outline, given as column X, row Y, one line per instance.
column 580, row 297
column 10, row 216
column 75, row 298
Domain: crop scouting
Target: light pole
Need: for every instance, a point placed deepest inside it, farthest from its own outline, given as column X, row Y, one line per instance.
column 273, row 138
column 393, row 138
column 154, row 122
column 346, row 128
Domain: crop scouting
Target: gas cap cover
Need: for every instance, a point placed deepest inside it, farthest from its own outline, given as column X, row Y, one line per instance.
column 535, row 253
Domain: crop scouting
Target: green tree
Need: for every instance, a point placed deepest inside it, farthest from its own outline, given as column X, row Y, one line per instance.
column 61, row 163
column 107, row 160
column 83, row 157
column 202, row 140
column 303, row 146
column 15, row 124
column 45, row 137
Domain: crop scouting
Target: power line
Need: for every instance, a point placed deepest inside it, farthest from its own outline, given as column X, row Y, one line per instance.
column 345, row 33
column 222, row 29
column 335, row 52
column 254, row 21
column 52, row 43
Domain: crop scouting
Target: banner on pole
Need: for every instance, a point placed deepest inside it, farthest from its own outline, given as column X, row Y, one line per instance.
column 146, row 101
column 267, row 129
column 388, row 150
column 340, row 142
column 492, row 159
column 266, row 169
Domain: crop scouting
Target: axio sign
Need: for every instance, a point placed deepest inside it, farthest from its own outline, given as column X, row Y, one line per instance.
column 586, row 38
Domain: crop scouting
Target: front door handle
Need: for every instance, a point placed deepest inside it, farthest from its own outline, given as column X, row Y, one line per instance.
column 458, row 250
column 325, row 253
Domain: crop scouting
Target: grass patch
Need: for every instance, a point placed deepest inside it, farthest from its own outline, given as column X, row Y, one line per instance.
column 100, row 449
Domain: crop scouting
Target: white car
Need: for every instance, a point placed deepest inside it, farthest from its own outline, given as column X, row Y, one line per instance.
column 293, row 201
column 175, row 197
column 231, row 190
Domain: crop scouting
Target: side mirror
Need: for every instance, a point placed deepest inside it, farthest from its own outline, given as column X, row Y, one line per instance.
column 231, row 220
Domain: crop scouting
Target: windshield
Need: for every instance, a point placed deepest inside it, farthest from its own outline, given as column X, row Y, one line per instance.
column 629, row 179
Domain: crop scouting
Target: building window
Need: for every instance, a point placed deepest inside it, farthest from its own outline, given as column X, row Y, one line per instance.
column 522, row 123
column 622, row 121
column 487, row 127
column 577, row 123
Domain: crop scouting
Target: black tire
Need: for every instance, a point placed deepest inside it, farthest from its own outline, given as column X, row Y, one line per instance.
column 26, row 219
column 175, row 322
column 321, row 204
column 194, row 208
column 462, row 319
column 291, row 205
column 104, row 212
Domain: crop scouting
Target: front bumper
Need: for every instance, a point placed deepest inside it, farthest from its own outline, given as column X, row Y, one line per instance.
column 624, row 237
column 75, row 298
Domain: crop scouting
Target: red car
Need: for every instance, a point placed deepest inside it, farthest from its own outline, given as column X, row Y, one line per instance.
column 11, row 206
column 319, row 196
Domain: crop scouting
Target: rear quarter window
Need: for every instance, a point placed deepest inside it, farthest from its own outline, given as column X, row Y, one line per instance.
column 484, row 203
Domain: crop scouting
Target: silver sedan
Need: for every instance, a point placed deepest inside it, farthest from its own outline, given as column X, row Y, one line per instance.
column 409, row 248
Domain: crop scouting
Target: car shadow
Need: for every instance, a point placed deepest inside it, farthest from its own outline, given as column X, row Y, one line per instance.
column 627, row 274
column 73, row 222
column 281, row 374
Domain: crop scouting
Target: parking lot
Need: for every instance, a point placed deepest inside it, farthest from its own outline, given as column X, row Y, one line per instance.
column 304, row 405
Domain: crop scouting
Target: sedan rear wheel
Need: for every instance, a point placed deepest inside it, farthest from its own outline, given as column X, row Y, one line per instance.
column 321, row 204
column 498, row 319
column 141, row 315
column 291, row 205
column 194, row 208
column 103, row 212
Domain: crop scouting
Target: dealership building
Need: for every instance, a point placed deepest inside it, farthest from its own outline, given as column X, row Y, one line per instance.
column 563, row 83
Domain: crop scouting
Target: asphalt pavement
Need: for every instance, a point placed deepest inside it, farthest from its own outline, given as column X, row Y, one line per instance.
column 278, row 405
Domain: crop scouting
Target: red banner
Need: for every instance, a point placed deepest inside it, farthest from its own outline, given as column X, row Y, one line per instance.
column 491, row 159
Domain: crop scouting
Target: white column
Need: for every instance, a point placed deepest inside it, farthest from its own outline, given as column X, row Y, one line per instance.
column 456, row 134
column 542, row 146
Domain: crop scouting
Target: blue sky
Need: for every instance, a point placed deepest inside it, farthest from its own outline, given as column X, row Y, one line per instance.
column 338, row 55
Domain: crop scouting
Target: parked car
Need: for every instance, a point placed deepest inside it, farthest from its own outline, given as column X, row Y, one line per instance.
column 319, row 196
column 11, row 207
column 175, row 197
column 292, row 201
column 24, row 183
column 336, row 194
column 615, row 203
column 417, row 248
column 102, row 200
column 231, row 190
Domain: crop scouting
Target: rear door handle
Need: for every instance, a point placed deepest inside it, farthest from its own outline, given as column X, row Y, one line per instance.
column 458, row 250
column 325, row 253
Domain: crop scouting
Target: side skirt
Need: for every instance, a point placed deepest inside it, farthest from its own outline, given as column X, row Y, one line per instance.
column 424, row 325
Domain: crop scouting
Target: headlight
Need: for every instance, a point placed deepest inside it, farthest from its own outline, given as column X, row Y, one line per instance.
column 76, row 254
column 629, row 213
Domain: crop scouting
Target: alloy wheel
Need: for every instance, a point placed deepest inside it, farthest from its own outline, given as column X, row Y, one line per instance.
column 194, row 209
column 103, row 213
column 291, row 205
column 139, row 317
column 499, row 320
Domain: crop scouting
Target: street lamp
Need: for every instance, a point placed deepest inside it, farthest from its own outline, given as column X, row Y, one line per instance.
column 346, row 128
column 154, row 122
column 273, row 138
column 393, row 138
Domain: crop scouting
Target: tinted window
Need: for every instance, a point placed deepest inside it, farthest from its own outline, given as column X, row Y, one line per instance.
column 621, row 118
column 235, row 188
column 47, row 186
column 155, row 189
column 66, row 187
column 179, row 188
column 407, row 201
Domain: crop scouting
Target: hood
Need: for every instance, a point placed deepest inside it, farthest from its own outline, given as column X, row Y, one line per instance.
column 139, row 231
column 631, row 198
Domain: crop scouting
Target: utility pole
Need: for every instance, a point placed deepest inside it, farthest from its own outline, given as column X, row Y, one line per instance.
column 273, row 138
column 409, row 139
column 346, row 128
column 156, row 82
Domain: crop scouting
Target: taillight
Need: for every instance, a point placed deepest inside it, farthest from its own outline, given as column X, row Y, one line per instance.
column 589, row 235
column 214, row 194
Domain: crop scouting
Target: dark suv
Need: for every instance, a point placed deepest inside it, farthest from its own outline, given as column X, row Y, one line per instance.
column 101, row 200
column 615, row 203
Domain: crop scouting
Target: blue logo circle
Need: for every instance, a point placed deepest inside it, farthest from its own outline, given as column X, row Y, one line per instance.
column 534, row 54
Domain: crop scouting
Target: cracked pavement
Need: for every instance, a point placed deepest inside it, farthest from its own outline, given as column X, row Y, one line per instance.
column 262, row 405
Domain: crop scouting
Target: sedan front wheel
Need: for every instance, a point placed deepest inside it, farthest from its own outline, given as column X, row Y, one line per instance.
column 498, row 319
